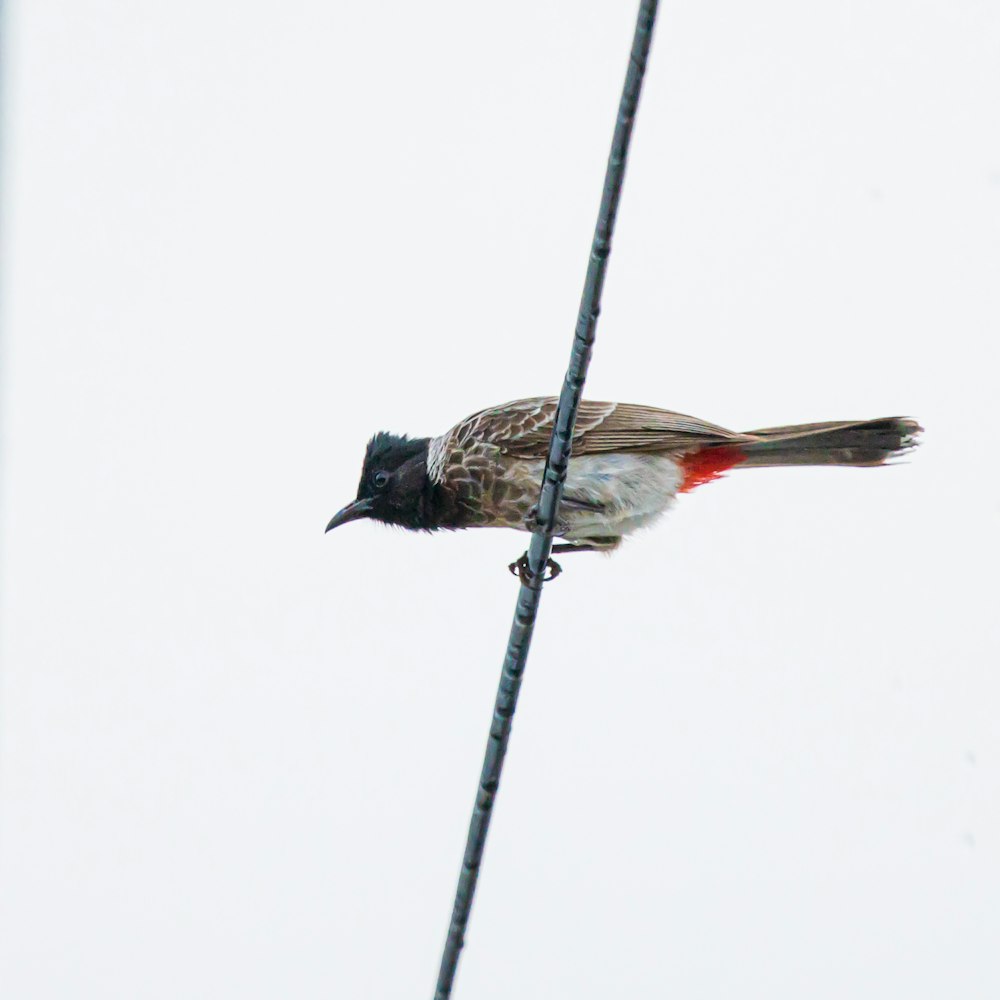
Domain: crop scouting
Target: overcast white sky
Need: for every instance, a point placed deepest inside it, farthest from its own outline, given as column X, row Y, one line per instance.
column 757, row 753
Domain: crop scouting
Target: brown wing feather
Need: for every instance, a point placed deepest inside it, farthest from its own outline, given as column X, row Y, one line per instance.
column 646, row 428
column 524, row 427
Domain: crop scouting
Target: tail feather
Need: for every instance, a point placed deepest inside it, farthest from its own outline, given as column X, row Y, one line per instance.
column 851, row 443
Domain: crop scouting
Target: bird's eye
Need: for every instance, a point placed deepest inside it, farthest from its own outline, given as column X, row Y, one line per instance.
column 380, row 479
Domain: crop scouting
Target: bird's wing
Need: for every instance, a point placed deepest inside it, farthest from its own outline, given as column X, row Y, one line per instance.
column 523, row 428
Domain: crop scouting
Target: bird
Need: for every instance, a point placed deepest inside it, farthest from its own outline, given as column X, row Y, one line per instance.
column 628, row 464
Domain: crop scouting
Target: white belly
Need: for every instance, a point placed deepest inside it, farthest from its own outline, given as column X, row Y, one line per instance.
column 632, row 489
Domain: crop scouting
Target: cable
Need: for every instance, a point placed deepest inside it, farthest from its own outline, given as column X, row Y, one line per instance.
column 553, row 480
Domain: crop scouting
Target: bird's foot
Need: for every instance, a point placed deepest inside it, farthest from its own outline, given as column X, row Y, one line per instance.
column 521, row 570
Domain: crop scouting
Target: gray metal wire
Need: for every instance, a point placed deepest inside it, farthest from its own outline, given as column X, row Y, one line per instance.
column 553, row 480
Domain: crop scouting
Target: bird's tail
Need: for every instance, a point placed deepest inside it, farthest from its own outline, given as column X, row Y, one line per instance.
column 851, row 442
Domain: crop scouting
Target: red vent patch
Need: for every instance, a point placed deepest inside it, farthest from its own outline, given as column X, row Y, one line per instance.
column 703, row 466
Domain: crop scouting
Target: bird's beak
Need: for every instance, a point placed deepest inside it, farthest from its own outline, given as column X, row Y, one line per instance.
column 360, row 508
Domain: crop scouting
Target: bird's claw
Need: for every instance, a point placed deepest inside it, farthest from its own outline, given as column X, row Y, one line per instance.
column 521, row 570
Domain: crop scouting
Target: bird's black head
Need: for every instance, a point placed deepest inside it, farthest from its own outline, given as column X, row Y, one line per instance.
column 394, row 487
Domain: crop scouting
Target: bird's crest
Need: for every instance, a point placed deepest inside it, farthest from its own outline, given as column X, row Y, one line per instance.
column 389, row 451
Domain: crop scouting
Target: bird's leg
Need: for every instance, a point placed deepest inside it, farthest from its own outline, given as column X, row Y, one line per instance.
column 596, row 543
column 531, row 521
column 572, row 547
column 569, row 503
column 603, row 543
column 519, row 568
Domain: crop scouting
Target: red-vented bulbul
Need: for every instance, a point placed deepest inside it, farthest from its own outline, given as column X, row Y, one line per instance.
column 628, row 463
